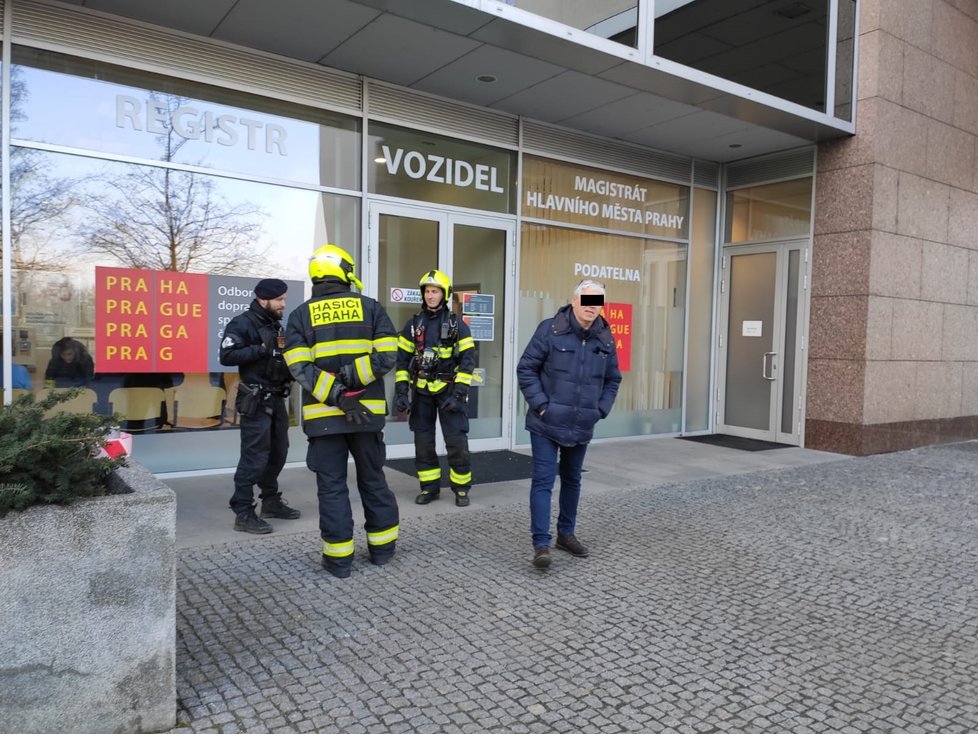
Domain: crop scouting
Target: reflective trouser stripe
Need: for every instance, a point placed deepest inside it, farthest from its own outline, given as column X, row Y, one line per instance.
column 429, row 475
column 383, row 537
column 338, row 550
column 459, row 478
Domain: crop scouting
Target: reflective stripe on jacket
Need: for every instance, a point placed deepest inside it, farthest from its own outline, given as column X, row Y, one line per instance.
column 335, row 328
column 451, row 368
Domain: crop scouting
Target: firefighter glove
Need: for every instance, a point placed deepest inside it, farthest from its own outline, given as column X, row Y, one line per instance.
column 402, row 402
column 356, row 411
column 347, row 374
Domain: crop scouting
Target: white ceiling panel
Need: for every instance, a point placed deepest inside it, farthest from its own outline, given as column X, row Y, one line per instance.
column 453, row 17
column 688, row 134
column 533, row 43
column 191, row 16
column 299, row 29
column 398, row 50
column 563, row 96
column 624, row 115
column 513, row 73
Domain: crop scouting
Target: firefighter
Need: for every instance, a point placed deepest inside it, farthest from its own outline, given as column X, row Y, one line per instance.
column 435, row 357
column 253, row 341
column 339, row 344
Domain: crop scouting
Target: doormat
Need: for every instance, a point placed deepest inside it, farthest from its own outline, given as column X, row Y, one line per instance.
column 736, row 442
column 487, row 467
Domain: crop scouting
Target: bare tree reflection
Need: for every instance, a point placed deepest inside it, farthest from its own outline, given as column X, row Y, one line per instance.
column 39, row 200
column 169, row 219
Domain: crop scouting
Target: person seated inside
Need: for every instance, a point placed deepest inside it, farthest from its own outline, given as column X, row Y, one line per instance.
column 71, row 365
column 20, row 377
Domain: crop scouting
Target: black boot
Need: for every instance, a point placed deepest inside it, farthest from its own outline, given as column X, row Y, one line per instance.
column 462, row 498
column 276, row 507
column 425, row 497
column 339, row 570
column 249, row 522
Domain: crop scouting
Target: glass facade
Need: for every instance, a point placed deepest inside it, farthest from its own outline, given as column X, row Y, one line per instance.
column 780, row 47
column 142, row 219
column 143, row 212
column 432, row 168
column 775, row 211
column 776, row 47
column 615, row 20
column 645, row 278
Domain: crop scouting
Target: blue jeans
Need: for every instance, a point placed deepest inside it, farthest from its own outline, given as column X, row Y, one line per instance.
column 545, row 468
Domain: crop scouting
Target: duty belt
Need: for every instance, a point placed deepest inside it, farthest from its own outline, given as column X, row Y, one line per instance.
column 278, row 392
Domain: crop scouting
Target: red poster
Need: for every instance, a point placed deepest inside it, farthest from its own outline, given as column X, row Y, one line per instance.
column 124, row 320
column 181, row 322
column 619, row 318
column 150, row 321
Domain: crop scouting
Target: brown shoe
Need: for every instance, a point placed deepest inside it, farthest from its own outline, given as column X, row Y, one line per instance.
column 541, row 557
column 572, row 545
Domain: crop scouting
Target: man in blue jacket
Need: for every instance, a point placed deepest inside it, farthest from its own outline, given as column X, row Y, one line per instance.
column 569, row 376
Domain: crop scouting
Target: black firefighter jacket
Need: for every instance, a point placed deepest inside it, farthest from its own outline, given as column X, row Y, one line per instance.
column 335, row 328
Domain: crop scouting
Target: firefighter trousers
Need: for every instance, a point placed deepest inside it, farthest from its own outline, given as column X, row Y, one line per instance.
column 328, row 457
column 455, row 427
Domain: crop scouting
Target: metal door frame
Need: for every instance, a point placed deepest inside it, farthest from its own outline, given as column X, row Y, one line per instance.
column 774, row 432
column 446, row 220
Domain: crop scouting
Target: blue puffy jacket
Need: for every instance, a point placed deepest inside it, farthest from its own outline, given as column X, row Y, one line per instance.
column 570, row 374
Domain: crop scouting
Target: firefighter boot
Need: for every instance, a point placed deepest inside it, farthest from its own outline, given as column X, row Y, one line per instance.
column 426, row 496
column 337, row 569
column 276, row 507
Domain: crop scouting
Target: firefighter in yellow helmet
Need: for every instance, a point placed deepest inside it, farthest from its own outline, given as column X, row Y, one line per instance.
column 435, row 357
column 339, row 345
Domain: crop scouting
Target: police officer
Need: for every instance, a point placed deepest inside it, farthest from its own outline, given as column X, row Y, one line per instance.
column 436, row 357
column 254, row 342
column 339, row 345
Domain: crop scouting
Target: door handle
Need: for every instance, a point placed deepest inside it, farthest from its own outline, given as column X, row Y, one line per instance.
column 764, row 363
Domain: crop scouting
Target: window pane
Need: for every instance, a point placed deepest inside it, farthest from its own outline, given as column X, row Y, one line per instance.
column 565, row 192
column 615, row 20
column 172, row 227
column 845, row 59
column 650, row 397
column 770, row 212
column 425, row 167
column 94, row 106
column 774, row 46
column 702, row 268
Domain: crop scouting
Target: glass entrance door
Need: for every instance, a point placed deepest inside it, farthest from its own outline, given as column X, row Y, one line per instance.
column 476, row 252
column 761, row 342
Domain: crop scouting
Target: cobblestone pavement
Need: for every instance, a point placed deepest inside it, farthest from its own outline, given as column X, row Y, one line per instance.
column 841, row 597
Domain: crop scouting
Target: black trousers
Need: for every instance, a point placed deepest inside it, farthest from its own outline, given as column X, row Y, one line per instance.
column 264, row 448
column 455, row 427
column 328, row 457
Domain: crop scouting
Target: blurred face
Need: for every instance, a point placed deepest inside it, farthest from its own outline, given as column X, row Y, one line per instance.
column 433, row 296
column 586, row 315
column 68, row 355
column 274, row 306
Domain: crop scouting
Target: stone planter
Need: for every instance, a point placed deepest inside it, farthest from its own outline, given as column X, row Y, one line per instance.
column 88, row 612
